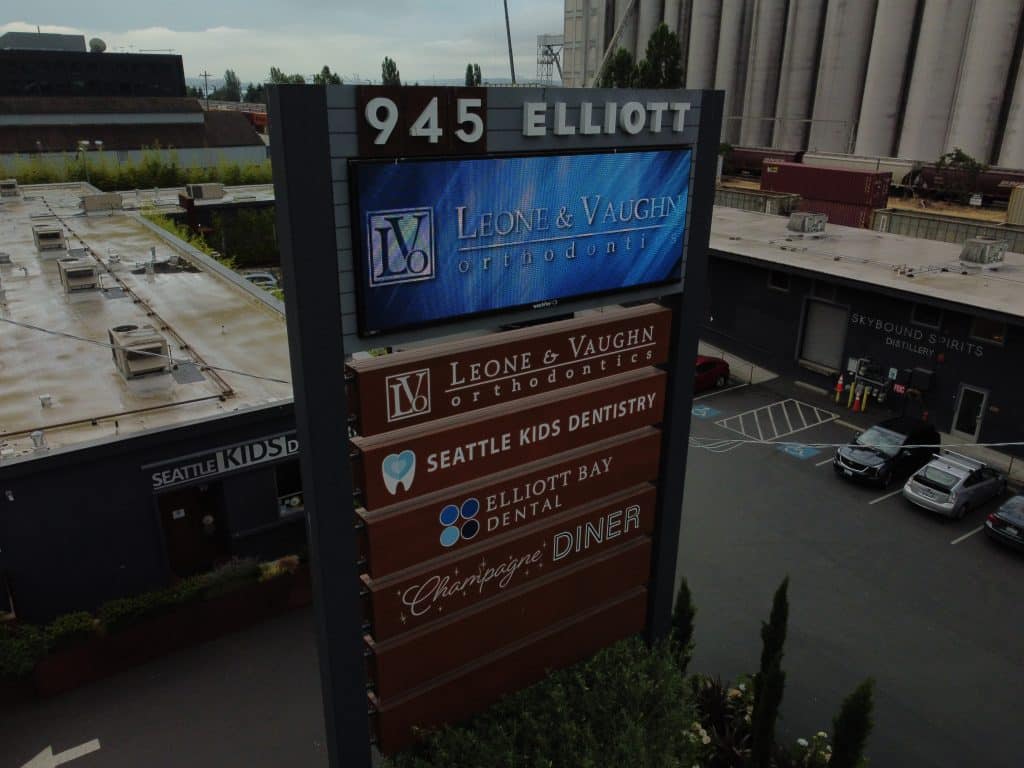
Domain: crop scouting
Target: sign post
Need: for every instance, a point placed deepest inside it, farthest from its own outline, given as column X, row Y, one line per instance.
column 485, row 509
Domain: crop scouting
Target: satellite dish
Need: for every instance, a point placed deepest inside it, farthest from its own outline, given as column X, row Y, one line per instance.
column 97, row 46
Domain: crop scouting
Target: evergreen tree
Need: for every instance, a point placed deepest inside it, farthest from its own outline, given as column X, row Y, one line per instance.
column 773, row 634
column 619, row 71
column 852, row 726
column 664, row 59
column 469, row 75
column 682, row 626
column 770, row 679
column 326, row 77
column 280, row 78
column 389, row 72
column 477, row 78
column 255, row 94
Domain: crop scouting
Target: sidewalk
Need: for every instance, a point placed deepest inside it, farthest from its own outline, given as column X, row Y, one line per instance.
column 748, row 373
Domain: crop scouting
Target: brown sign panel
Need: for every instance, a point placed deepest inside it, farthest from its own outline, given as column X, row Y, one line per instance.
column 414, row 658
column 473, row 687
column 404, row 535
column 402, row 122
column 411, row 598
column 412, row 462
column 414, row 386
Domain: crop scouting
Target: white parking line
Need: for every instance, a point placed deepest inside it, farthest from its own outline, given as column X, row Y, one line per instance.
column 823, row 463
column 968, row 535
column 749, row 423
column 721, row 391
column 848, row 425
column 887, row 496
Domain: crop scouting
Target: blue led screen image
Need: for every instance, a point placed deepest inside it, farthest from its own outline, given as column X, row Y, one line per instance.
column 439, row 239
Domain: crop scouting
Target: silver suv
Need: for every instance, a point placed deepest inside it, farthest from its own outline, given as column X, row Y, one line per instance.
column 952, row 483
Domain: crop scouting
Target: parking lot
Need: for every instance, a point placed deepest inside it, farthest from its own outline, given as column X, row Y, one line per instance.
column 927, row 606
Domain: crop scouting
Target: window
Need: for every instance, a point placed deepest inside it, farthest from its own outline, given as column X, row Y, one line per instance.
column 289, row 488
column 988, row 330
column 930, row 317
column 779, row 281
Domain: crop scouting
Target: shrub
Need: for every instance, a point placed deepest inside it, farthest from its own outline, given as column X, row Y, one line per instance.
column 852, row 726
column 623, row 706
column 21, row 647
column 280, row 567
column 70, row 629
column 233, row 575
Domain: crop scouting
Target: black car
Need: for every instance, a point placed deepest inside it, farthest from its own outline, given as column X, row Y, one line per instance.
column 1006, row 524
column 892, row 449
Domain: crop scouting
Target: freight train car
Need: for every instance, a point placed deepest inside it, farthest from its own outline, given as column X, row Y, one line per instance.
column 747, row 161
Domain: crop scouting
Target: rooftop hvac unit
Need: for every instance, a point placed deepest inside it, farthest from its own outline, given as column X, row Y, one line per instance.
column 139, row 351
column 208, row 191
column 48, row 237
column 102, row 201
column 807, row 223
column 8, row 187
column 983, row 252
column 78, row 275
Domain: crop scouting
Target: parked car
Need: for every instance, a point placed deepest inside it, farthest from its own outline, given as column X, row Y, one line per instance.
column 262, row 279
column 952, row 483
column 710, row 372
column 892, row 449
column 1006, row 524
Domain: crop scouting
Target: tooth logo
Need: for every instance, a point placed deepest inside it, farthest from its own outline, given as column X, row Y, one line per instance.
column 453, row 531
column 398, row 469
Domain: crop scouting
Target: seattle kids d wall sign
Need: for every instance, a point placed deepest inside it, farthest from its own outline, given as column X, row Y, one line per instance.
column 526, row 476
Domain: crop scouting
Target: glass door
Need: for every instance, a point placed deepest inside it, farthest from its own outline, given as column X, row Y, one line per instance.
column 970, row 410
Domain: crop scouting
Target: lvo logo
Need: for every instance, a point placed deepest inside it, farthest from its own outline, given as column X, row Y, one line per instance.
column 401, row 245
column 408, row 394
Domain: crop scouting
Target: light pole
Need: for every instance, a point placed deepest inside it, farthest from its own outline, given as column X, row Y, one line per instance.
column 83, row 148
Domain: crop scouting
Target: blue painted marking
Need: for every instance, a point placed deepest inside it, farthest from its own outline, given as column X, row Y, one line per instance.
column 799, row 451
column 705, row 411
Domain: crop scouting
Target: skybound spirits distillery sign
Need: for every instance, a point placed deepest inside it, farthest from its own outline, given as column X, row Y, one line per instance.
column 485, row 509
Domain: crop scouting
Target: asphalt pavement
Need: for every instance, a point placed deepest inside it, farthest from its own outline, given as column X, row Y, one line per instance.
column 926, row 606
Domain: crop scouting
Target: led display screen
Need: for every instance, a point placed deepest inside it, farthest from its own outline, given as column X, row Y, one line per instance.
column 441, row 239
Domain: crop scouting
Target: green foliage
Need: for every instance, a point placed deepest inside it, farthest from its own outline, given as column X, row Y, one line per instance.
column 21, row 647
column 231, row 90
column 255, row 93
column 280, row 78
column 773, row 634
column 852, row 726
column 619, row 71
column 326, row 77
column 70, row 629
column 182, row 232
column 233, row 575
column 389, row 72
column 662, row 66
column 477, row 77
column 721, row 729
column 624, row 706
column 682, row 625
column 469, row 74
column 193, row 92
column 770, row 680
column 472, row 74
column 155, row 169
column 960, row 174
column 246, row 236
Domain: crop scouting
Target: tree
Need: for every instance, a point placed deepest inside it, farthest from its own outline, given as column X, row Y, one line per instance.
column 959, row 177
column 256, row 94
column 852, row 726
column 770, row 680
column 682, row 626
column 389, row 72
column 280, row 78
column 619, row 71
column 664, row 60
column 476, row 74
column 231, row 90
column 469, row 75
column 193, row 92
column 326, row 77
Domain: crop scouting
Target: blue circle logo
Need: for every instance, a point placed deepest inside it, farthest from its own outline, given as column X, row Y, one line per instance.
column 452, row 533
column 449, row 515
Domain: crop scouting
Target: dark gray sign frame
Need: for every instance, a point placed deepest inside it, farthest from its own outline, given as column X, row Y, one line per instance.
column 314, row 135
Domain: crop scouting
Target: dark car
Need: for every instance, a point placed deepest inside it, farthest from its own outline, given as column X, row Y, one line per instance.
column 710, row 372
column 892, row 449
column 1006, row 524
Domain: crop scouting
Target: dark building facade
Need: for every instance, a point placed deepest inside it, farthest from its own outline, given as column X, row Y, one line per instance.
column 86, row 525
column 959, row 365
column 78, row 73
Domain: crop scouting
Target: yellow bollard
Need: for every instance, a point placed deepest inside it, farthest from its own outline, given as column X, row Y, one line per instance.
column 849, row 400
column 864, row 403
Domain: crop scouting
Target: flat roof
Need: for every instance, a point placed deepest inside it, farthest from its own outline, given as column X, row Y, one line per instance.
column 219, row 328
column 924, row 268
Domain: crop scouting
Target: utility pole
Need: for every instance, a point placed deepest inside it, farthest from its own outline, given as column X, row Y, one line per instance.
column 206, row 87
column 508, row 35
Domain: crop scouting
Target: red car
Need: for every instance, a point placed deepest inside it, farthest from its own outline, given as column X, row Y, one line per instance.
column 711, row 372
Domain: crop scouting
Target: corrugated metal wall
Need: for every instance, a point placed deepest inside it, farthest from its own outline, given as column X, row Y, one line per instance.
column 906, row 78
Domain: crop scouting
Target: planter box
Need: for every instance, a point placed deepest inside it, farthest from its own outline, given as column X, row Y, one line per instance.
column 190, row 624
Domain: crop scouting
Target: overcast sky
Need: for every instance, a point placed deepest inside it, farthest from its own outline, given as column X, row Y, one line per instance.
column 427, row 38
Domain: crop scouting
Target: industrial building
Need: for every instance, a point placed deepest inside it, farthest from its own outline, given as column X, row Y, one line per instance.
column 146, row 425
column 934, row 328
column 881, row 78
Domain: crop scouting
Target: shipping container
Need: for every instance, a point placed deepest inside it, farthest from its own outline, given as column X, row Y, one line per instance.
column 839, row 185
column 844, row 214
column 1015, row 208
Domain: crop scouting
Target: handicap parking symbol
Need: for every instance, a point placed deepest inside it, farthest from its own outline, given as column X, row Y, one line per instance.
column 799, row 451
column 705, row 411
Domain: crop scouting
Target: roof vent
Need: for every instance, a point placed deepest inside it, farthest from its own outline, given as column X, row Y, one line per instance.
column 807, row 223
column 101, row 201
column 139, row 351
column 48, row 237
column 8, row 187
column 983, row 253
column 78, row 275
column 38, row 440
column 208, row 191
